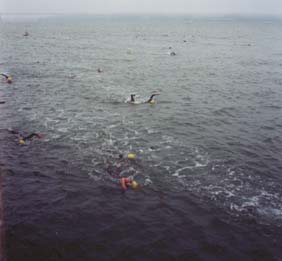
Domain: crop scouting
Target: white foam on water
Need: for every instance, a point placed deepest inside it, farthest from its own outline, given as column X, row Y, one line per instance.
column 177, row 172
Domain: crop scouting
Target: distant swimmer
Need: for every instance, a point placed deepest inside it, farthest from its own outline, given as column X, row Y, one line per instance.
column 7, row 77
column 128, row 182
column 22, row 139
column 99, row 70
column 132, row 98
column 26, row 33
column 172, row 53
column 151, row 99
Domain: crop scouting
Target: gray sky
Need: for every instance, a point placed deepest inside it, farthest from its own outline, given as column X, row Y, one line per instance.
column 142, row 6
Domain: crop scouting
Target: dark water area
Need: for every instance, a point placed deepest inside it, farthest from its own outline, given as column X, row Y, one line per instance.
column 208, row 153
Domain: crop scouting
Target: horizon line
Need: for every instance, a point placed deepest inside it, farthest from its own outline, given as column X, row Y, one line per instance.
column 146, row 13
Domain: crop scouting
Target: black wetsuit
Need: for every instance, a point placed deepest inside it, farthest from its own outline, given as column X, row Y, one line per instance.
column 30, row 136
column 132, row 98
column 6, row 76
column 151, row 98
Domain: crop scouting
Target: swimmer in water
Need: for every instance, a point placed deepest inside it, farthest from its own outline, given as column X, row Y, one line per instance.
column 30, row 136
column 151, row 99
column 128, row 182
column 132, row 98
column 7, row 77
column 22, row 139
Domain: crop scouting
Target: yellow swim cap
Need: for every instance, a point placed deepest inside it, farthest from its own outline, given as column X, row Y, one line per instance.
column 134, row 184
column 152, row 102
column 131, row 156
column 21, row 142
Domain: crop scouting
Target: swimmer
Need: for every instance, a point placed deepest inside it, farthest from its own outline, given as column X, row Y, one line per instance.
column 151, row 99
column 7, row 77
column 132, row 98
column 124, row 162
column 22, row 140
column 128, row 182
column 30, row 136
column 99, row 70
column 26, row 33
column 172, row 53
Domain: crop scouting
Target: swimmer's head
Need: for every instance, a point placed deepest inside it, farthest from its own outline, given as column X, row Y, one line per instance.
column 152, row 102
column 21, row 142
column 131, row 156
column 9, row 79
column 120, row 156
column 134, row 184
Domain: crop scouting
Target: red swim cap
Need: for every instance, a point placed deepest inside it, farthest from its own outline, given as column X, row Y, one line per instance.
column 40, row 136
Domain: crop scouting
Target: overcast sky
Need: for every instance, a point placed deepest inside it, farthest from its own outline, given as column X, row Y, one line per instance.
column 142, row 6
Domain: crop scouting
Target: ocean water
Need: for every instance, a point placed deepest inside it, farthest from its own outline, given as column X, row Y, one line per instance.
column 208, row 153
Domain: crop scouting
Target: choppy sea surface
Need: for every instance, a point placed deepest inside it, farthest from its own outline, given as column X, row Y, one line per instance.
column 208, row 153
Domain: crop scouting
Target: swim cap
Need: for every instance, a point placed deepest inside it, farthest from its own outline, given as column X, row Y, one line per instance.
column 21, row 142
column 131, row 156
column 134, row 184
column 152, row 102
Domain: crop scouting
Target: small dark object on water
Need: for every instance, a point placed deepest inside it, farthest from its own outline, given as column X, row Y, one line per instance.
column 2, row 102
column 22, row 140
column 7, row 77
column 99, row 70
column 26, row 33
column 172, row 53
